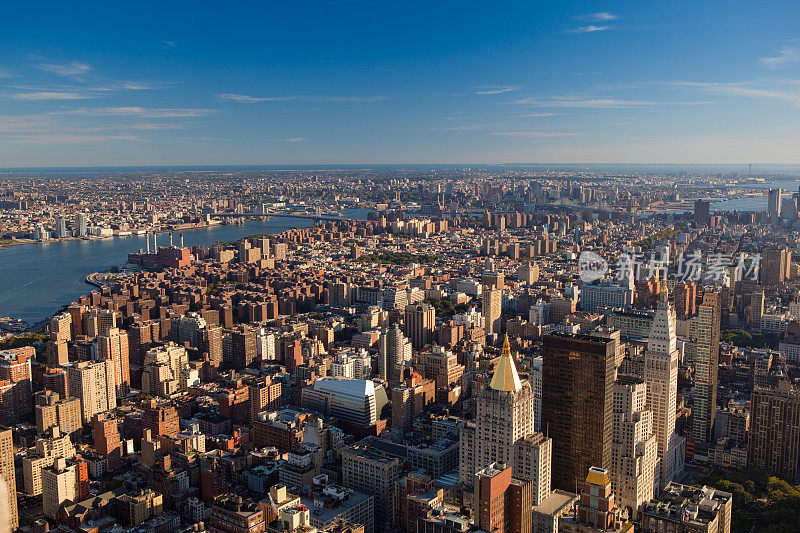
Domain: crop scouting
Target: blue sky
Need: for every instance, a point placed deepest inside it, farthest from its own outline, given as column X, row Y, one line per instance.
column 349, row 81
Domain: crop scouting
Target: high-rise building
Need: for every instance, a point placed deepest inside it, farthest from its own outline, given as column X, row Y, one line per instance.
column 635, row 460
column 60, row 327
column 701, row 212
column 661, row 375
column 774, row 203
column 162, row 369
column 502, row 503
column 114, row 347
column 685, row 299
column 756, row 308
column 161, row 418
column 366, row 470
column 775, row 266
column 245, row 347
column 504, row 416
column 577, row 403
column 528, row 273
column 211, row 344
column 8, row 476
column 53, row 411
column 532, row 457
column 774, row 444
column 81, row 224
column 394, row 350
column 94, row 384
column 16, row 397
column 48, row 448
column 59, row 484
column 105, row 431
column 492, row 307
column 141, row 337
column 706, row 360
column 61, row 227
column 420, row 322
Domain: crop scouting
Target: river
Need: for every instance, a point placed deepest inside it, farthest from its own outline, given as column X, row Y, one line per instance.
column 37, row 279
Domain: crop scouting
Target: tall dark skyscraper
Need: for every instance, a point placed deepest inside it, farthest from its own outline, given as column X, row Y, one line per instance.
column 245, row 349
column 577, row 404
column 701, row 212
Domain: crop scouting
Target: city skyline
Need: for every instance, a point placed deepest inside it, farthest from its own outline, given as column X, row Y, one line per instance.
column 350, row 82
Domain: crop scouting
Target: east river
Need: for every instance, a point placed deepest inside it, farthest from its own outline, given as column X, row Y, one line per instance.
column 37, row 279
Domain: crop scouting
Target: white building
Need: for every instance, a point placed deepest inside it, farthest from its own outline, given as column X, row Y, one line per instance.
column 661, row 375
column 634, row 463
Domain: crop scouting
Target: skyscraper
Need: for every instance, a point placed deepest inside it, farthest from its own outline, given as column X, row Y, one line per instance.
column 58, row 485
column 94, row 384
column 492, row 306
column 635, row 459
column 504, row 416
column 577, row 403
column 81, row 224
column 774, row 444
column 245, row 347
column 775, row 266
column 420, row 323
column 661, row 375
column 701, row 210
column 706, row 361
column 502, row 502
column 394, row 349
column 114, row 347
column 774, row 203
column 8, row 475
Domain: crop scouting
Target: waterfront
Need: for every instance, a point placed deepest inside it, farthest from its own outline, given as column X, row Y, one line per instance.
column 37, row 279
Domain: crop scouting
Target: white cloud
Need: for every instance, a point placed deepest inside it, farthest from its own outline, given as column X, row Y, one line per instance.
column 73, row 68
column 745, row 90
column 599, row 103
column 4, row 73
column 499, row 90
column 568, row 101
column 602, row 16
column 245, row 99
column 535, row 133
column 155, row 126
column 536, row 115
column 295, row 140
column 51, row 95
column 136, row 86
column 74, row 138
column 787, row 55
column 589, row 29
column 150, row 112
column 168, row 44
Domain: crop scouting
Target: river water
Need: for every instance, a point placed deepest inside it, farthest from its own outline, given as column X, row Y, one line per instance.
column 37, row 279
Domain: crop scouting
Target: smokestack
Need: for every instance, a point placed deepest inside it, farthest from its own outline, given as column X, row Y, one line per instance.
column 181, row 240
column 155, row 242
column 147, row 238
column 170, row 239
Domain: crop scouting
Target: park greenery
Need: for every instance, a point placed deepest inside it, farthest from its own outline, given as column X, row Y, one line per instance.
column 745, row 339
column 445, row 308
column 761, row 503
column 18, row 341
